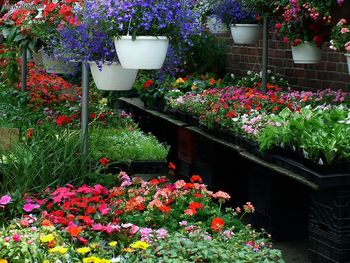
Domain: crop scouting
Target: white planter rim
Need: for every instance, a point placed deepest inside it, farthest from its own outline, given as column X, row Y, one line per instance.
column 247, row 25
column 347, row 54
column 143, row 37
column 105, row 63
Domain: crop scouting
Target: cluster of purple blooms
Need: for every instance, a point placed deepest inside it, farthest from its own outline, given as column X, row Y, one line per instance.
column 233, row 12
column 102, row 20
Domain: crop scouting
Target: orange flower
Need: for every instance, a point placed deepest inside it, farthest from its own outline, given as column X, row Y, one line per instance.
column 74, row 231
column 212, row 81
column 46, row 222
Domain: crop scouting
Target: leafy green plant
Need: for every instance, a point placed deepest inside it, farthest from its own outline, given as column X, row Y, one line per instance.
column 49, row 158
column 319, row 134
column 125, row 145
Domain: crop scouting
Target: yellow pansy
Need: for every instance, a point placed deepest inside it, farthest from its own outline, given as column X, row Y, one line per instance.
column 113, row 243
column 3, row 260
column 47, row 239
column 140, row 245
column 92, row 259
column 59, row 250
column 103, row 260
column 83, row 250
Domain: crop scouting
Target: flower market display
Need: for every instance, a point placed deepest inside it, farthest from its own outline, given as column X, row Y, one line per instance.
column 62, row 200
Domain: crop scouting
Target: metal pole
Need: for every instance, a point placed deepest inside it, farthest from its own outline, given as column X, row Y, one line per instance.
column 24, row 70
column 85, row 111
column 265, row 52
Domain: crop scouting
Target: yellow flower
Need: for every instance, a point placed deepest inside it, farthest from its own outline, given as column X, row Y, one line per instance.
column 59, row 250
column 94, row 259
column 140, row 245
column 180, row 80
column 194, row 87
column 83, row 250
column 128, row 250
column 46, row 261
column 3, row 260
column 47, row 239
column 113, row 243
column 94, row 245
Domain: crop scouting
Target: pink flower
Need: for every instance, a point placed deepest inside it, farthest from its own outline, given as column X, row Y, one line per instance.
column 221, row 195
column 341, row 22
column 4, row 200
column 16, row 237
column 344, row 30
column 30, row 207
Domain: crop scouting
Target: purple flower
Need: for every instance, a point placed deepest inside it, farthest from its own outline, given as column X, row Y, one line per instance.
column 232, row 11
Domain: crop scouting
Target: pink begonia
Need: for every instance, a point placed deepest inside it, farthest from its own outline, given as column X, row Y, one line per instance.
column 4, row 200
column 30, row 207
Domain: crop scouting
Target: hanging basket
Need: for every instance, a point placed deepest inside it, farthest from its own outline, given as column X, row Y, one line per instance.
column 246, row 33
column 347, row 55
column 146, row 52
column 112, row 76
column 55, row 66
column 215, row 25
column 306, row 53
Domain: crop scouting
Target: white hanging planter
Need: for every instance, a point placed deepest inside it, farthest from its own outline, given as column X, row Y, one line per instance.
column 246, row 33
column 306, row 53
column 146, row 52
column 348, row 59
column 113, row 76
column 55, row 66
column 215, row 25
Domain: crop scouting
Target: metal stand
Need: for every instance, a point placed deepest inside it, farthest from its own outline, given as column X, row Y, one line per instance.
column 24, row 70
column 85, row 112
column 265, row 52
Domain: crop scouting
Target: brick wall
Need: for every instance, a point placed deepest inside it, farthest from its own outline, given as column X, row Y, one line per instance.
column 331, row 72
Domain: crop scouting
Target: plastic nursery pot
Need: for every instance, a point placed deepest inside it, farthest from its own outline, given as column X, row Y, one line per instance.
column 246, row 33
column 347, row 55
column 111, row 76
column 146, row 52
column 306, row 53
column 215, row 25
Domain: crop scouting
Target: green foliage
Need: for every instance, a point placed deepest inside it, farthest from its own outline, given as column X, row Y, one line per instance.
column 198, row 247
column 125, row 145
column 206, row 54
column 50, row 158
column 321, row 135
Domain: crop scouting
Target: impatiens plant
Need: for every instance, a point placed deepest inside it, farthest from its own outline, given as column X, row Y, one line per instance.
column 134, row 221
column 302, row 23
column 341, row 37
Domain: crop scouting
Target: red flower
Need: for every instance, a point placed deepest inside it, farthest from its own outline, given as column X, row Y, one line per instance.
column 172, row 166
column 165, row 209
column 104, row 161
column 29, row 133
column 278, row 25
column 74, row 231
column 148, row 83
column 195, row 206
column 196, row 178
column 61, row 120
column 217, row 224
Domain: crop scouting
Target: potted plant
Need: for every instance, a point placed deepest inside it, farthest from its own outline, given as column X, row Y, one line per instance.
column 305, row 27
column 207, row 16
column 341, row 39
column 142, row 30
column 243, row 23
column 89, row 42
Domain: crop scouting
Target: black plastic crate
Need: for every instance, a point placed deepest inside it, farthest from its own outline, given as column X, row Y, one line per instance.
column 139, row 167
column 281, row 213
column 330, row 211
column 323, row 248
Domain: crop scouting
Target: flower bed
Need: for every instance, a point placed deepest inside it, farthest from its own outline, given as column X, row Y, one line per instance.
column 270, row 119
column 134, row 221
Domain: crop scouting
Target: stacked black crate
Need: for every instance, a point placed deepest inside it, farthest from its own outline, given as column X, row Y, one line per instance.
column 329, row 226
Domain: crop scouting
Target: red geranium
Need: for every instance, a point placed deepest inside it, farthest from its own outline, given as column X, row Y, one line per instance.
column 217, row 224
